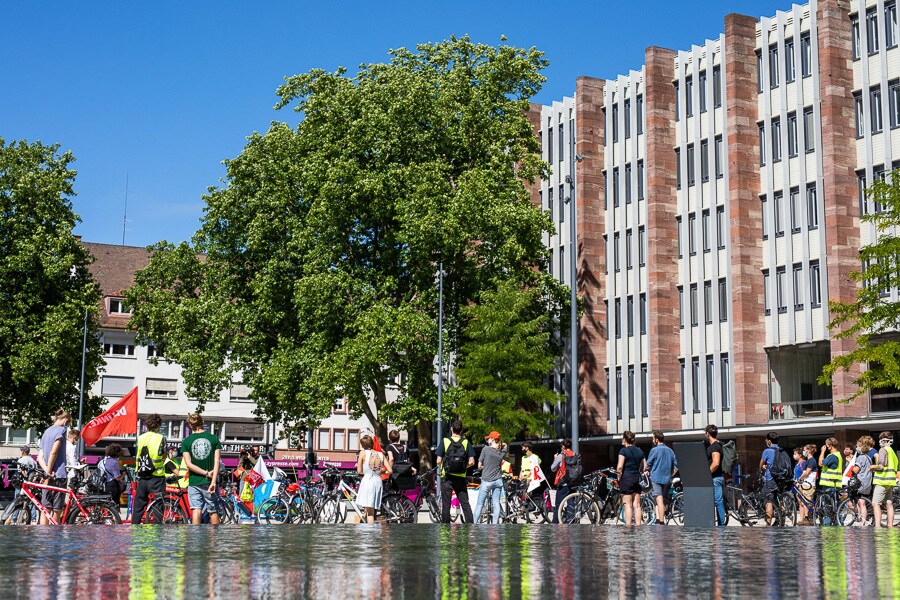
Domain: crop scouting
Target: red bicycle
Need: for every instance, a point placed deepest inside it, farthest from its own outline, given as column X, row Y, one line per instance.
column 79, row 509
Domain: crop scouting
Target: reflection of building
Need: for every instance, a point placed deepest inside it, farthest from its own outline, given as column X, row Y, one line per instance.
column 718, row 213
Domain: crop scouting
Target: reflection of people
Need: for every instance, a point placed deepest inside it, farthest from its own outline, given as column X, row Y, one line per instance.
column 369, row 465
column 631, row 465
column 52, row 459
column 884, row 479
column 202, row 454
column 714, row 456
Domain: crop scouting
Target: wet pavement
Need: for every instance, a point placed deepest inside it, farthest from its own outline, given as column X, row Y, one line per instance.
column 458, row 561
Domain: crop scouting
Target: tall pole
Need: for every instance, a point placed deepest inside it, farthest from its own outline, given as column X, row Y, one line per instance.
column 81, row 390
column 440, row 390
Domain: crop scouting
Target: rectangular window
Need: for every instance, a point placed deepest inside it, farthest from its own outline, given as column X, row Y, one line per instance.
column 790, row 72
column 562, row 203
column 627, row 108
column 644, row 390
column 562, row 264
column 872, row 31
column 642, row 246
column 725, row 379
column 640, row 180
column 692, row 226
column 628, row 262
column 805, row 55
column 628, row 183
column 707, row 302
column 643, row 313
column 779, row 221
column 765, row 220
column 690, row 165
column 324, row 439
column 688, row 97
column 723, row 300
column 894, row 102
column 117, row 306
column 550, row 263
column 766, row 291
column 759, row 72
column 717, row 86
column 615, row 122
column 719, row 162
column 339, row 435
column 618, row 317
column 858, row 115
column 683, row 388
column 162, row 388
column 111, row 349
column 618, row 392
column 677, row 103
column 615, row 183
column 631, row 392
column 608, row 392
column 616, row 265
column 776, row 140
column 890, row 24
column 695, row 383
column 694, row 308
column 779, row 289
column 795, row 210
column 854, row 36
column 710, row 370
column 562, row 143
column 809, row 134
column 549, row 143
column 762, row 145
column 798, row 286
column 678, row 168
column 861, row 191
column 701, row 81
column 875, row 109
column 720, row 227
column 773, row 67
column 680, row 250
column 116, row 386
column 629, row 315
column 681, row 307
column 704, row 160
column 812, row 207
column 639, row 109
column 792, row 134
column 815, row 285
column 706, row 237
column 550, row 202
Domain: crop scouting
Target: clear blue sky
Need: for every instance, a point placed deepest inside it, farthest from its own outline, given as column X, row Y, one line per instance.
column 164, row 91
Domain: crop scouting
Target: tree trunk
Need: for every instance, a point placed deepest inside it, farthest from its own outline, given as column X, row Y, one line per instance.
column 423, row 431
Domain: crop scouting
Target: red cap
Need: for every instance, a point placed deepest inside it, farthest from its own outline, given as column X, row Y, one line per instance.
column 495, row 435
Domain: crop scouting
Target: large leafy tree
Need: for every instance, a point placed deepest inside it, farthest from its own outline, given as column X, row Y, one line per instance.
column 872, row 320
column 314, row 269
column 507, row 352
column 45, row 288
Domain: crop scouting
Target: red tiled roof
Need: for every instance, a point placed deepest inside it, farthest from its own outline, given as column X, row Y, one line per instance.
column 113, row 269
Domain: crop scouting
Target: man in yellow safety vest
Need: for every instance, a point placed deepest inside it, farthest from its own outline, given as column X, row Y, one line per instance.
column 885, row 478
column 831, row 463
column 151, row 474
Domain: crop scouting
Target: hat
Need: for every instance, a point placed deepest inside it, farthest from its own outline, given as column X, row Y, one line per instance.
column 494, row 435
column 25, row 449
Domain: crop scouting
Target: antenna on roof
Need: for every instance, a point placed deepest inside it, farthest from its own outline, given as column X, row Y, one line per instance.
column 125, row 216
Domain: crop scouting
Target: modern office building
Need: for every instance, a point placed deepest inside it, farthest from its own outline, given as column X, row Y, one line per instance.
column 718, row 199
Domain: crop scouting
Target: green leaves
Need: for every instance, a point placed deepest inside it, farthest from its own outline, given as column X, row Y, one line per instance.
column 45, row 288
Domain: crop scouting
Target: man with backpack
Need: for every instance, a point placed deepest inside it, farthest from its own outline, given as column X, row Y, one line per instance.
column 714, row 457
column 403, row 474
column 777, row 470
column 149, row 467
column 454, row 455
column 568, row 469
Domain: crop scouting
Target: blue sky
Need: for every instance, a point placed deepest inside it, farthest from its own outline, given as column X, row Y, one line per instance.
column 162, row 91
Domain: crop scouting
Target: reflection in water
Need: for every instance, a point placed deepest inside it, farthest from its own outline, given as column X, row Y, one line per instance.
column 459, row 561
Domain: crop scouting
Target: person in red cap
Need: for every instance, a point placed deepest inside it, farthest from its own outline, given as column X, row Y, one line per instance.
column 490, row 461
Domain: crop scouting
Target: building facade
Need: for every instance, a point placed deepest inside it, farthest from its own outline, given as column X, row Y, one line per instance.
column 718, row 196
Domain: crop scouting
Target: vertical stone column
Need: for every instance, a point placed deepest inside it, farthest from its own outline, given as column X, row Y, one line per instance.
column 842, row 235
column 590, row 223
column 751, row 399
column 662, row 240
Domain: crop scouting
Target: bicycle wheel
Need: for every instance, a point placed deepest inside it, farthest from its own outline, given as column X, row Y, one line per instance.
column 849, row 513
column 174, row 513
column 675, row 513
column 535, row 510
column 787, row 504
column 434, row 508
column 396, row 508
column 18, row 512
column 329, row 511
column 612, row 510
column 579, row 508
column 826, row 510
column 648, row 509
column 154, row 513
column 97, row 512
column 227, row 514
column 274, row 511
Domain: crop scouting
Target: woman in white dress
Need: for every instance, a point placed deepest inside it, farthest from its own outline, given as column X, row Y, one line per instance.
column 369, row 465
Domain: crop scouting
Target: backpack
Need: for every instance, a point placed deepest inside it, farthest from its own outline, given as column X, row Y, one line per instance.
column 455, row 460
column 402, row 466
column 782, row 470
column 98, row 477
column 574, row 469
column 145, row 466
column 729, row 456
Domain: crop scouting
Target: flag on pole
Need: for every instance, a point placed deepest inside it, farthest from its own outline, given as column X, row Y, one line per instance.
column 119, row 419
column 537, row 477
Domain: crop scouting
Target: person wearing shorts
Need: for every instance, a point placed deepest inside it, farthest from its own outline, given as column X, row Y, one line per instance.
column 52, row 460
column 202, row 452
column 885, row 478
column 807, row 482
column 661, row 465
column 631, row 465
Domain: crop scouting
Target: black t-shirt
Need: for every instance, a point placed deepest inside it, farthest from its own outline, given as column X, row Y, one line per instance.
column 715, row 447
column 633, row 457
column 398, row 453
column 812, row 465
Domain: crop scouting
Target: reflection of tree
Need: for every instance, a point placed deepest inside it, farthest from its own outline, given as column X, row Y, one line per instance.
column 834, row 562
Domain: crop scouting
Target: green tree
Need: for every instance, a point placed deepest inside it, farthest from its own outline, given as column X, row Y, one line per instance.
column 319, row 254
column 507, row 352
column 45, row 288
column 872, row 320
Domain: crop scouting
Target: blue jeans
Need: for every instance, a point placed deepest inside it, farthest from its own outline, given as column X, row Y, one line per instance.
column 494, row 489
column 561, row 492
column 719, row 498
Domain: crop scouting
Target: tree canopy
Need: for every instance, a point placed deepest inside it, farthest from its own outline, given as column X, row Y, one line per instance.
column 314, row 270
column 45, row 288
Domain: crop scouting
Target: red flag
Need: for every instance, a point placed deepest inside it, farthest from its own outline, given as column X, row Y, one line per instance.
column 121, row 418
column 376, row 445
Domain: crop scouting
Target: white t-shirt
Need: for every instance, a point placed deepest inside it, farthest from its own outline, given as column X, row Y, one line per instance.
column 71, row 458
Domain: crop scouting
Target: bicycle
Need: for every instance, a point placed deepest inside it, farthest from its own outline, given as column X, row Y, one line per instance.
column 524, row 505
column 395, row 507
column 427, row 495
column 751, row 507
column 849, row 513
column 594, row 502
column 674, row 504
column 172, row 508
column 77, row 510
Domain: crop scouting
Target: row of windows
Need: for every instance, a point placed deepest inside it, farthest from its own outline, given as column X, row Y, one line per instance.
column 628, row 191
column 701, row 92
column 870, row 205
column 643, row 397
column 872, row 30
column 704, row 162
column 724, row 378
column 790, row 68
column 626, row 107
column 561, row 199
column 809, row 136
column 812, row 211
column 616, row 316
column 337, row 439
column 876, row 119
column 114, row 350
column 721, row 224
column 707, row 303
column 815, row 287
column 561, row 137
column 629, row 263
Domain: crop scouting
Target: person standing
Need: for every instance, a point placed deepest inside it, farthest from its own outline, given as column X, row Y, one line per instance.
column 766, row 462
column 631, row 465
column 151, row 446
column 714, row 457
column 113, row 475
column 799, row 463
column 72, row 460
column 662, row 465
column 884, row 479
column 807, row 482
column 831, row 466
column 25, row 459
column 454, row 456
column 370, row 465
column 52, row 460
column 202, row 454
column 560, row 482
column 862, row 468
column 489, row 462
column 530, row 460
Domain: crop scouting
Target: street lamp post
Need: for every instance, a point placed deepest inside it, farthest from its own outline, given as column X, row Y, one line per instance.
column 573, row 284
column 440, row 389
column 81, row 388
